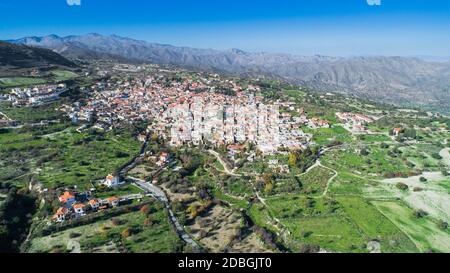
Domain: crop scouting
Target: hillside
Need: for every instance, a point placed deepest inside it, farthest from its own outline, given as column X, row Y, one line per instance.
column 20, row 56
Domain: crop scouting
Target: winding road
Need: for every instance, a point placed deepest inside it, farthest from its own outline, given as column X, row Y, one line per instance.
column 159, row 194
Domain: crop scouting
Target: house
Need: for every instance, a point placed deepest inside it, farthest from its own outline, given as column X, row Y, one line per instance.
column 359, row 128
column 142, row 137
column 111, row 181
column 67, row 198
column 163, row 158
column 60, row 214
column 79, row 209
column 396, row 131
column 112, row 201
column 94, row 204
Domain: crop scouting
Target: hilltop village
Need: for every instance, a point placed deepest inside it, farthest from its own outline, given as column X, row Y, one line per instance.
column 191, row 112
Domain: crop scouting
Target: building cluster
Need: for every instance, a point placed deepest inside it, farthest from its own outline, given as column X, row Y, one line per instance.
column 186, row 111
column 36, row 95
column 75, row 205
column 226, row 120
column 355, row 122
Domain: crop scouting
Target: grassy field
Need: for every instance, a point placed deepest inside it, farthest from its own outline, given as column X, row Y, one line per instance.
column 31, row 114
column 20, row 81
column 331, row 232
column 63, row 75
column 375, row 226
column 423, row 231
column 84, row 157
column 63, row 157
column 347, row 183
column 315, row 181
column 324, row 136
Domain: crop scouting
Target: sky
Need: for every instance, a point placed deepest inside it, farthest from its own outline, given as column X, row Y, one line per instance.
column 304, row 27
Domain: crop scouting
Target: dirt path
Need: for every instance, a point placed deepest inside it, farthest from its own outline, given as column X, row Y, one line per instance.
column 329, row 180
column 225, row 167
column 6, row 117
column 74, row 246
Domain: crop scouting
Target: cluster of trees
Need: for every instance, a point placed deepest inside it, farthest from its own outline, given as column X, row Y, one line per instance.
column 16, row 211
column 303, row 159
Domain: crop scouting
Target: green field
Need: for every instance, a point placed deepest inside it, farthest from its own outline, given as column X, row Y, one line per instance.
column 315, row 181
column 376, row 226
column 20, row 81
column 63, row 75
column 423, row 231
column 63, row 157
column 84, row 157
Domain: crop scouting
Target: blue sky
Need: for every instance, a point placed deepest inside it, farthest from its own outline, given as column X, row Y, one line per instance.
column 306, row 27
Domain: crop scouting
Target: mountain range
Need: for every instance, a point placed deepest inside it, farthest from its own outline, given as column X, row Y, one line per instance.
column 408, row 81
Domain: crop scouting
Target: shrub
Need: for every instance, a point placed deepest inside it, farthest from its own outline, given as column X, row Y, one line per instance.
column 423, row 179
column 420, row 213
column 74, row 235
column 402, row 186
column 306, row 248
column 145, row 209
column 436, row 156
column 126, row 233
column 148, row 221
column 442, row 224
column 116, row 222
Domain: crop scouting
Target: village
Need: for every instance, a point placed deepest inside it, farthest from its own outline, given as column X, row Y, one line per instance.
column 35, row 95
column 191, row 112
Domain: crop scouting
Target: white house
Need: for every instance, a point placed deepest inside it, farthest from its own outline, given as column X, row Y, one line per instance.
column 111, row 181
column 79, row 209
column 94, row 204
column 113, row 201
column 60, row 215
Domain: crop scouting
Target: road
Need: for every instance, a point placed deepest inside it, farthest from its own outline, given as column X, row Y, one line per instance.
column 159, row 194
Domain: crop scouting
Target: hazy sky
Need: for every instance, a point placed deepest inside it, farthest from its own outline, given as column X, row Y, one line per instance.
column 339, row 27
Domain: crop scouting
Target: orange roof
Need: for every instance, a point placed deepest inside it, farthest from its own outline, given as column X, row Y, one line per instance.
column 93, row 202
column 68, row 194
column 110, row 177
column 235, row 147
column 61, row 211
column 78, row 206
column 111, row 199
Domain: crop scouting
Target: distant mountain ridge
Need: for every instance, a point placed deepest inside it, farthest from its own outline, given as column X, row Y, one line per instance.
column 400, row 80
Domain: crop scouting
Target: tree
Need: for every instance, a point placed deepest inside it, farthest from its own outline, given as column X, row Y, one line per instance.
column 126, row 233
column 420, row 213
column 148, row 221
column 145, row 209
column 364, row 152
column 292, row 159
column 442, row 224
column 268, row 188
column 402, row 186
